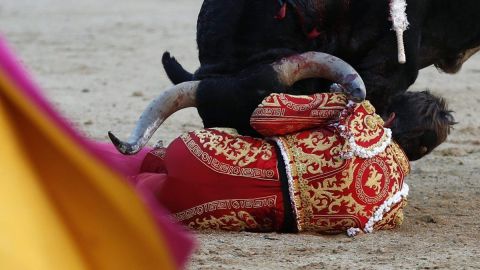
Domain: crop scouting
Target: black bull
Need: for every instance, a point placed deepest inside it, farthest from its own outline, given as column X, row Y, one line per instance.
column 235, row 34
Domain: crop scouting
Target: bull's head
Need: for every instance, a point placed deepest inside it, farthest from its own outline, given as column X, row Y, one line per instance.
column 287, row 71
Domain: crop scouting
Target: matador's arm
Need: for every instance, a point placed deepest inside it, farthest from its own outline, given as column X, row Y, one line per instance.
column 281, row 114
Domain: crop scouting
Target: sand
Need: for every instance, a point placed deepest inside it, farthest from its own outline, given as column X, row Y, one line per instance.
column 100, row 64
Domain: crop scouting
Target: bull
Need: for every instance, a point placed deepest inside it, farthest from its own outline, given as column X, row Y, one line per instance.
column 234, row 35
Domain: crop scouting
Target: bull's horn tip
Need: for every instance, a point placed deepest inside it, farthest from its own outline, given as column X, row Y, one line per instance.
column 122, row 147
column 114, row 139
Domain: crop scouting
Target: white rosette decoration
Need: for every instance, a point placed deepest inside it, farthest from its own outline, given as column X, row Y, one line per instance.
column 398, row 16
column 353, row 148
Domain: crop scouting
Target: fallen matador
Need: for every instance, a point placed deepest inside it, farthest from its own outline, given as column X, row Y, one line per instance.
column 326, row 166
column 329, row 166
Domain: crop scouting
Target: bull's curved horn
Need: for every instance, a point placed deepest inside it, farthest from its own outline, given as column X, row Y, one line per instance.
column 173, row 99
column 321, row 65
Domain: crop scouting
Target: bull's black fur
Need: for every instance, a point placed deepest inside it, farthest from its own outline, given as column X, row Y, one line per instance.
column 220, row 108
column 235, row 34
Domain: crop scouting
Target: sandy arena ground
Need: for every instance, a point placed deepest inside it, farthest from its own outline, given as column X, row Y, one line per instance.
column 100, row 64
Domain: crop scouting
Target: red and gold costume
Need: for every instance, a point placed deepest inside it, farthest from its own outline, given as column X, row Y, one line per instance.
column 328, row 165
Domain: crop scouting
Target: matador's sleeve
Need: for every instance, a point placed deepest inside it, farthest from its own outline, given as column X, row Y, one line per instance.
column 281, row 114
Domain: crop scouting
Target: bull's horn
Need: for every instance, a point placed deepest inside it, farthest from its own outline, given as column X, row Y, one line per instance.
column 321, row 65
column 173, row 99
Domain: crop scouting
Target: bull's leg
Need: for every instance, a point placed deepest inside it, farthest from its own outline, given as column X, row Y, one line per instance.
column 230, row 101
column 216, row 28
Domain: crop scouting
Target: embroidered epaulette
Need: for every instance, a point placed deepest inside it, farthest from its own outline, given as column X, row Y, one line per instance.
column 363, row 131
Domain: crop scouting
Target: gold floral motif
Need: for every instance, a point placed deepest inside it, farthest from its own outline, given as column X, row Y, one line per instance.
column 398, row 165
column 368, row 107
column 393, row 218
column 363, row 133
column 343, row 198
column 328, row 224
column 230, row 150
column 399, row 217
column 323, row 195
column 354, row 207
column 235, row 221
column 337, row 99
column 374, row 180
column 400, row 157
column 373, row 121
column 233, row 148
column 317, row 141
column 369, row 122
column 315, row 163
column 394, row 171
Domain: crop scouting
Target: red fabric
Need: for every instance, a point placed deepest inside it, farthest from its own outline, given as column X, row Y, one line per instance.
column 281, row 114
column 205, row 189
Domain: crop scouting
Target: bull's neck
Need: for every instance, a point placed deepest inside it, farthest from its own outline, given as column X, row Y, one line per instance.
column 454, row 24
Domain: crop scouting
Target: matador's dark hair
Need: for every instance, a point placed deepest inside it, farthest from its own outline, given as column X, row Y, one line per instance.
column 423, row 121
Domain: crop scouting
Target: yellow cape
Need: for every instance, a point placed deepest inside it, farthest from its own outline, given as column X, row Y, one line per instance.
column 61, row 207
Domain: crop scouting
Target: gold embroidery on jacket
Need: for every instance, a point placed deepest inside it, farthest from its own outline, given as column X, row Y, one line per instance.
column 235, row 149
column 363, row 133
column 400, row 158
column 234, row 204
column 374, row 180
column 235, row 221
column 326, row 188
column 339, row 224
column 393, row 218
column 238, row 152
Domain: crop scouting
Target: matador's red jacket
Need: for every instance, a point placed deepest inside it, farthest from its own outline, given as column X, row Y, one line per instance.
column 339, row 169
